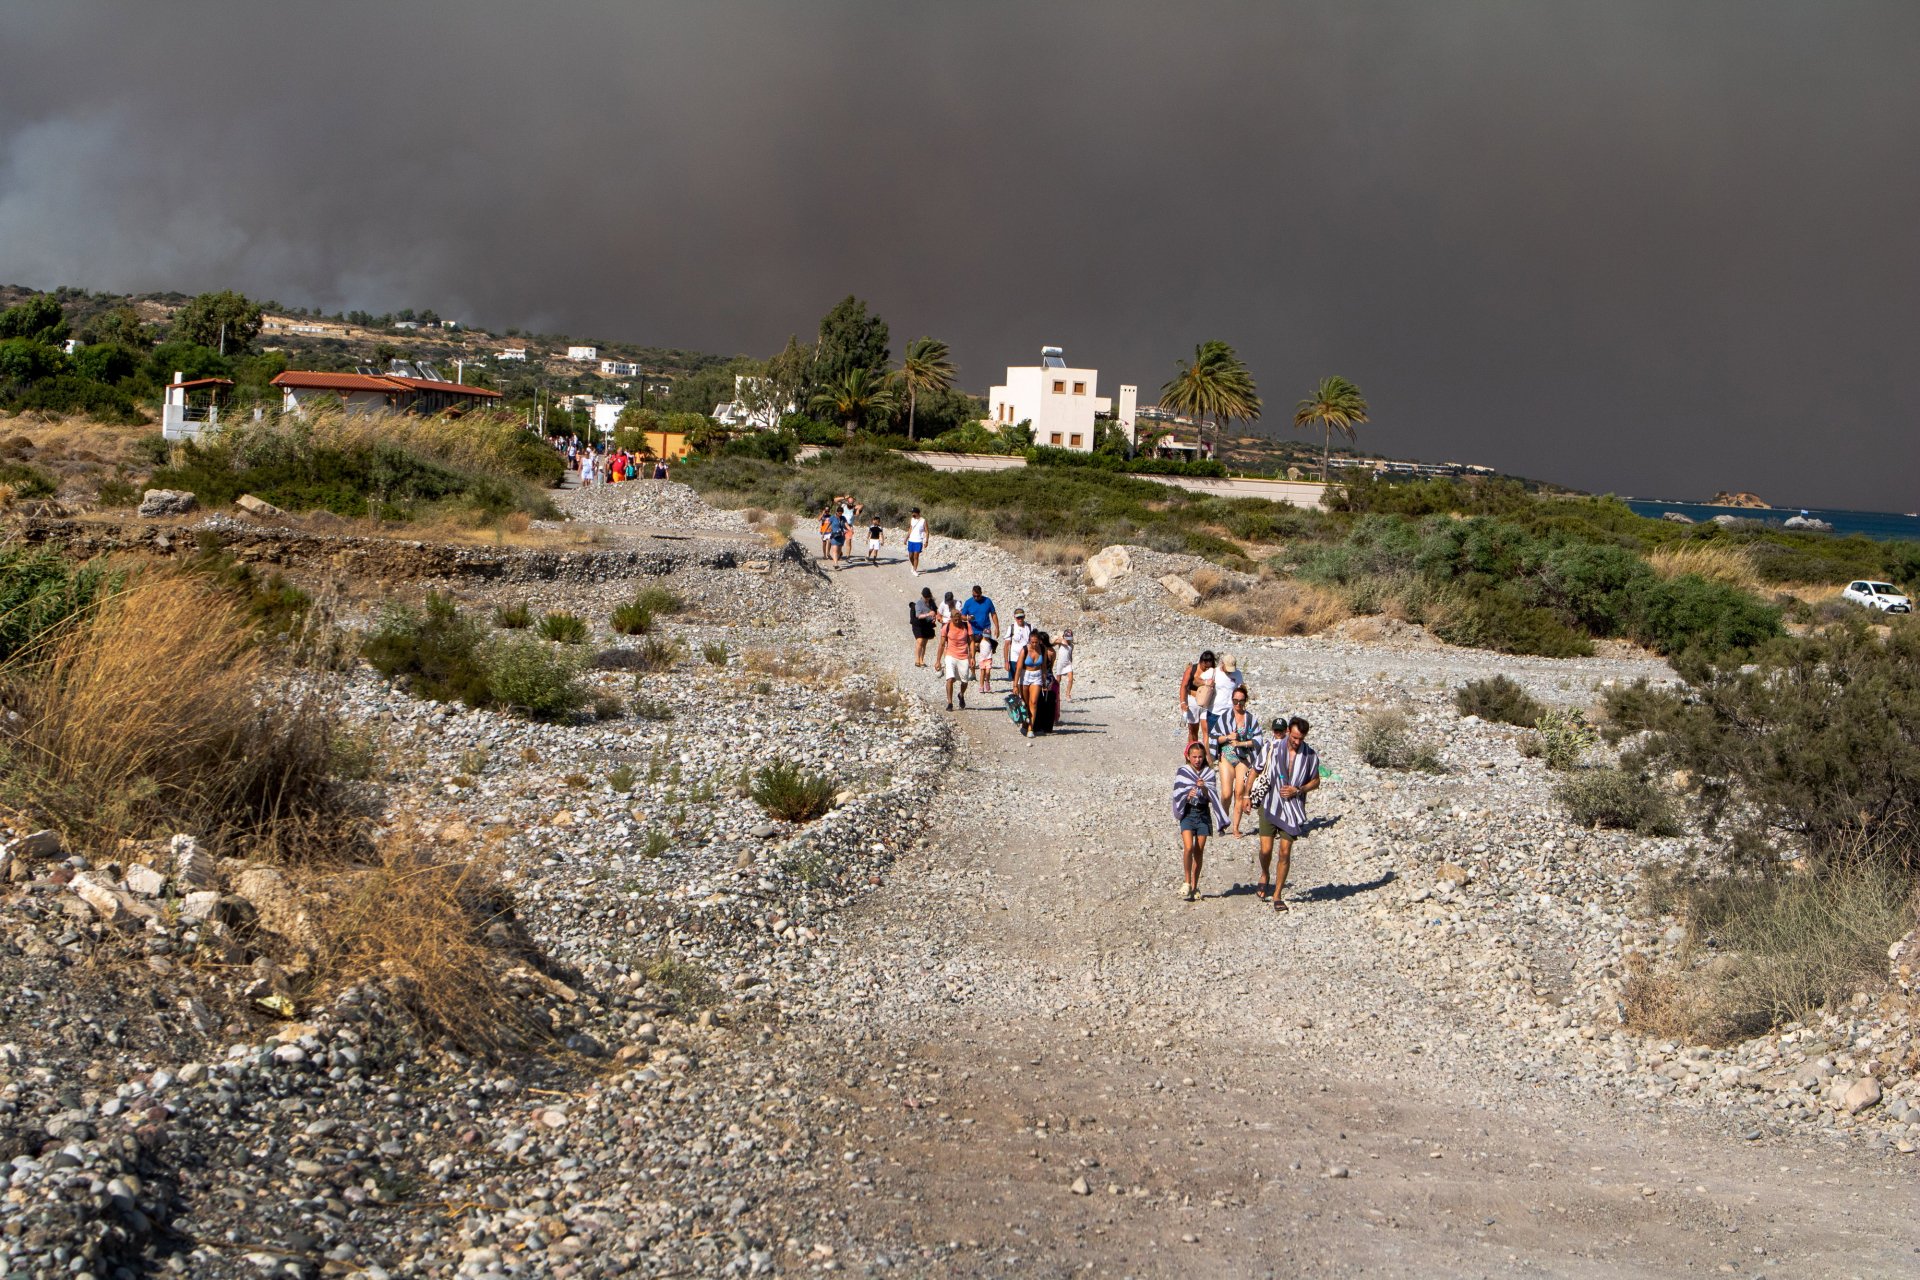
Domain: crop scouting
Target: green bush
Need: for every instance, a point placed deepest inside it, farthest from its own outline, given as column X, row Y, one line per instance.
column 564, row 628
column 659, row 600
column 1617, row 798
column 1386, row 741
column 513, row 617
column 27, row 481
column 41, row 591
column 531, row 677
column 790, row 793
column 1565, row 738
column 632, row 619
column 434, row 651
column 1814, row 744
column 1497, row 619
column 715, row 653
column 1499, row 700
column 1689, row 613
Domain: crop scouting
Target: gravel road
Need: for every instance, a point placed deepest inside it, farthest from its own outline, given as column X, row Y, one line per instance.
column 1072, row 1070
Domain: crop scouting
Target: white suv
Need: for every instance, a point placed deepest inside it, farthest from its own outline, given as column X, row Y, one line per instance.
column 1883, row 596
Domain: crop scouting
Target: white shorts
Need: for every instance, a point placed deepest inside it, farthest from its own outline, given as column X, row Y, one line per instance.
column 956, row 669
column 873, row 547
column 1196, row 714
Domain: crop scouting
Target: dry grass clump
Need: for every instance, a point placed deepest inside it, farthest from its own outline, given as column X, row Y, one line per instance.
column 1276, row 608
column 1059, row 555
column 156, row 714
column 56, row 437
column 434, row 928
column 1761, row 951
column 1716, row 562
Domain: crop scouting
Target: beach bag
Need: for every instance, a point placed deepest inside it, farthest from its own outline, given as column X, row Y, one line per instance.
column 1262, row 784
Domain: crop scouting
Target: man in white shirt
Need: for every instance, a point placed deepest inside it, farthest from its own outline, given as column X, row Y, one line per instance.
column 916, row 539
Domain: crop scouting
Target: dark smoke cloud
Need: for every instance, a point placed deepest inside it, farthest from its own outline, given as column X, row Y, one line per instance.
column 1650, row 247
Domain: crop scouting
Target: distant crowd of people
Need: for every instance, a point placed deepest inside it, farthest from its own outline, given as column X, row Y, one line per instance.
column 1232, row 766
column 601, row 464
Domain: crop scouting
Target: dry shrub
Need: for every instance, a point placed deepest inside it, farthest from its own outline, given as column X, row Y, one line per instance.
column 787, row 663
column 1210, row 582
column 434, row 928
column 157, row 715
column 1277, row 609
column 876, row 695
column 1059, row 555
column 1716, row 562
column 1760, row 951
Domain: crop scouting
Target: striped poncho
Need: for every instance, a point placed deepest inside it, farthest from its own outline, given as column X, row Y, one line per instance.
column 1185, row 780
column 1296, row 767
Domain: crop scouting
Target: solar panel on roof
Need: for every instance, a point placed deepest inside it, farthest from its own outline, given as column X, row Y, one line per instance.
column 1053, row 357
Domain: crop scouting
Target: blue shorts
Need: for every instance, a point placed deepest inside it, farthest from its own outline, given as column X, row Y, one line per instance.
column 1198, row 820
column 913, row 548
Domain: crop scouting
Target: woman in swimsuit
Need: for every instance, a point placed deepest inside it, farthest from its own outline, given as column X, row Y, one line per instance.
column 1034, row 672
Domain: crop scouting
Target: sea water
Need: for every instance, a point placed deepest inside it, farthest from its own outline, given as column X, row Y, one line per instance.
column 1873, row 524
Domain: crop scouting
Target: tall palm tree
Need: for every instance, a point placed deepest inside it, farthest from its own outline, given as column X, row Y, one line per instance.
column 854, row 398
column 1336, row 405
column 1216, row 385
column 926, row 366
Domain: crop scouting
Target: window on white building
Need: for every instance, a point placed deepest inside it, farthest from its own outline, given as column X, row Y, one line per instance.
column 1056, row 438
column 1059, row 388
column 1079, row 388
column 1074, row 440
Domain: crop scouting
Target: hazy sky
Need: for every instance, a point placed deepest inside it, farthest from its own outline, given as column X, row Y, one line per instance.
column 1659, row 248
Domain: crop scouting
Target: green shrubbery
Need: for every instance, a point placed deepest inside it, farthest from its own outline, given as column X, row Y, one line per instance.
column 564, row 628
column 790, row 793
column 1499, row 700
column 392, row 466
column 525, row 675
column 1386, row 741
column 41, row 591
column 1505, row 588
column 1813, row 748
column 441, row 653
column 1618, row 798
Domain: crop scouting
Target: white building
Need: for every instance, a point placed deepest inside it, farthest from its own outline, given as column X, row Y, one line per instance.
column 512, row 353
column 619, row 369
column 1059, row 401
column 734, row 412
column 606, row 413
column 586, row 354
column 192, row 405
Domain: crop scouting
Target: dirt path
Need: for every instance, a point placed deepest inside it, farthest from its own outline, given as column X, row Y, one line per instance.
column 1043, row 1008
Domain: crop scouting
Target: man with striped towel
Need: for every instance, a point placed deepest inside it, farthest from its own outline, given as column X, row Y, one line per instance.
column 1283, row 810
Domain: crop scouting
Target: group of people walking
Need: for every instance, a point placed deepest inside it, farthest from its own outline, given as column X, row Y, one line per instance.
column 602, row 466
column 842, row 517
column 1231, row 766
column 1036, row 667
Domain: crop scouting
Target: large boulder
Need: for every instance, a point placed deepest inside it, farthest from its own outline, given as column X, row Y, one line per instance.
column 258, row 507
column 1182, row 590
column 1108, row 566
column 167, row 502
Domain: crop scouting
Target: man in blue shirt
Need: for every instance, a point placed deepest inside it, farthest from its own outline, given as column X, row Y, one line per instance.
column 980, row 615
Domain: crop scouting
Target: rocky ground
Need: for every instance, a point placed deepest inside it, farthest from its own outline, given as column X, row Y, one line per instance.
column 960, row 1026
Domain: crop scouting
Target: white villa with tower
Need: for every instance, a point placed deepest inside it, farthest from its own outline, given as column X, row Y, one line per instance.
column 1059, row 401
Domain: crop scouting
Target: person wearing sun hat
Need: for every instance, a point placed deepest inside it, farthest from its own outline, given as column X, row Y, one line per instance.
column 1063, row 664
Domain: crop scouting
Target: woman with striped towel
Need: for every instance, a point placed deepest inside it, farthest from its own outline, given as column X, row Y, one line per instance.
column 1291, row 768
column 1198, row 809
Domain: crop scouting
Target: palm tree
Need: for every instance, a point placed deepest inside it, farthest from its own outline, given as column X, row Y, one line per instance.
column 926, row 366
column 1216, row 385
column 1336, row 405
column 857, row 396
